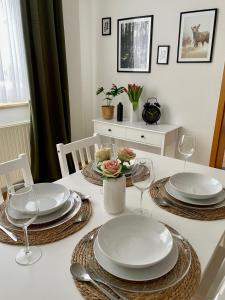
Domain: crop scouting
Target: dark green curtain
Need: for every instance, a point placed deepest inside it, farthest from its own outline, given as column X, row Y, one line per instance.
column 50, row 117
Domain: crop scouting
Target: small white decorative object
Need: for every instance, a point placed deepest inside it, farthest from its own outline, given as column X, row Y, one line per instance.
column 114, row 190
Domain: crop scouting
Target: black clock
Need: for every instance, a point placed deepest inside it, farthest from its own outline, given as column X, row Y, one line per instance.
column 151, row 112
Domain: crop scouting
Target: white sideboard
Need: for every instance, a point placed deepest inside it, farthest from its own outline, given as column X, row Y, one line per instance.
column 160, row 136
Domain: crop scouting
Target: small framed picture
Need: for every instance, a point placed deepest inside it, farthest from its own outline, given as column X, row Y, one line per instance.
column 106, row 26
column 196, row 36
column 163, row 55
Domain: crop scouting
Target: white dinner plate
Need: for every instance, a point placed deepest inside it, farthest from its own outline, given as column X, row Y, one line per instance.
column 178, row 196
column 51, row 197
column 195, row 185
column 135, row 241
column 144, row 274
column 57, row 222
column 70, row 203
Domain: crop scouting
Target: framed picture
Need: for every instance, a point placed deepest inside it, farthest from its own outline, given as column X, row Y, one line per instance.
column 196, row 36
column 163, row 55
column 106, row 26
column 134, row 43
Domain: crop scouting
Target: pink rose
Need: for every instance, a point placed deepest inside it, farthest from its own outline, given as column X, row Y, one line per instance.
column 111, row 168
column 125, row 154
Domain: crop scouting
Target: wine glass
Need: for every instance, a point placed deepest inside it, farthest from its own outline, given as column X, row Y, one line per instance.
column 186, row 146
column 142, row 175
column 22, row 210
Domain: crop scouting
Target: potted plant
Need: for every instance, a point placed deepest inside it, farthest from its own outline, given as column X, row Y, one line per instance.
column 108, row 109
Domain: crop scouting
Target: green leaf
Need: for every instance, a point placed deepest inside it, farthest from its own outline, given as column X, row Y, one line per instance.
column 99, row 90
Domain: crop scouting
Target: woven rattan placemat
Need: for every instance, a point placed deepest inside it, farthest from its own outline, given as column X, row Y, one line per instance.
column 183, row 290
column 37, row 237
column 157, row 192
column 92, row 176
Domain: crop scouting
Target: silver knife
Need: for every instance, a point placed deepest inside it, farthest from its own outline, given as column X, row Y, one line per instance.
column 9, row 233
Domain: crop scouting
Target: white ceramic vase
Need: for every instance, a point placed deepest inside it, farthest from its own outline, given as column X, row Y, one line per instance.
column 114, row 190
column 134, row 115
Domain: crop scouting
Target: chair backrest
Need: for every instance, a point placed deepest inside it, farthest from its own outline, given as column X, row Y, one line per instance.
column 20, row 163
column 83, row 147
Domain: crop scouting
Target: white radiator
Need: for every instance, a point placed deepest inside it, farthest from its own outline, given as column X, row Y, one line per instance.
column 14, row 140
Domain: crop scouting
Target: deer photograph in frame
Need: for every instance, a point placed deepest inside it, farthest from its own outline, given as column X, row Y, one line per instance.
column 106, row 26
column 134, row 44
column 196, row 36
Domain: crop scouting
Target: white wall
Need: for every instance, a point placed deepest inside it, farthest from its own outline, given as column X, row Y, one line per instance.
column 77, row 16
column 188, row 93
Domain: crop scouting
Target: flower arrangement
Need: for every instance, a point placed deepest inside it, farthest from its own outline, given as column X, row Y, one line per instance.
column 134, row 92
column 112, row 93
column 113, row 168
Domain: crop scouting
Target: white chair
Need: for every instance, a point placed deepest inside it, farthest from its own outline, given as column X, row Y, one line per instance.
column 20, row 163
column 83, row 147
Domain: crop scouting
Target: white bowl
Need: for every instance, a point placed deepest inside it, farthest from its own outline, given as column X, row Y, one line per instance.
column 51, row 197
column 134, row 274
column 135, row 241
column 196, row 185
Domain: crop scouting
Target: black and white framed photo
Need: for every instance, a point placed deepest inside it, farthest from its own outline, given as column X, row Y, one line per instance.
column 106, row 26
column 163, row 55
column 196, row 36
column 134, row 44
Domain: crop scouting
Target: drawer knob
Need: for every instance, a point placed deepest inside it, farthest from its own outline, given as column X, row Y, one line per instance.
column 109, row 129
column 142, row 136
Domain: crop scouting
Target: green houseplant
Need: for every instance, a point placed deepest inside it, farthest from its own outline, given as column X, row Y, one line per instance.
column 108, row 109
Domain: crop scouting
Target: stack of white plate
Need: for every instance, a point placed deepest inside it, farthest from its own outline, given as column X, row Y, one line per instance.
column 195, row 189
column 135, row 247
column 55, row 202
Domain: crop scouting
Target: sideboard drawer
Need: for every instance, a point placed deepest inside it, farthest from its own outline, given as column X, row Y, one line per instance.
column 110, row 130
column 141, row 136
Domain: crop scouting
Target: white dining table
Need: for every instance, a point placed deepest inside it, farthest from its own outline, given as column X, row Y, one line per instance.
column 50, row 278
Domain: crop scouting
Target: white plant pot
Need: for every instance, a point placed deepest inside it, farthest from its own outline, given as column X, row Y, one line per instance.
column 114, row 190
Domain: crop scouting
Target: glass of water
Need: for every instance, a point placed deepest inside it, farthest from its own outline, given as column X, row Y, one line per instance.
column 142, row 176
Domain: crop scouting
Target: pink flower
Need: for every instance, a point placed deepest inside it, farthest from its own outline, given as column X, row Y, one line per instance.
column 111, row 168
column 125, row 154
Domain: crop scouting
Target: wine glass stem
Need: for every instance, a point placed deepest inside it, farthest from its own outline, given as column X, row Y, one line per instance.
column 27, row 249
column 141, row 200
column 185, row 163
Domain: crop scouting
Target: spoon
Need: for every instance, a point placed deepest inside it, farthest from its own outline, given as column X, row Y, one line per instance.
column 79, row 272
column 96, row 277
column 82, row 196
column 80, row 218
column 9, row 233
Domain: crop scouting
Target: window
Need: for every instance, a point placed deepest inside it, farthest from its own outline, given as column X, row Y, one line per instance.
column 13, row 69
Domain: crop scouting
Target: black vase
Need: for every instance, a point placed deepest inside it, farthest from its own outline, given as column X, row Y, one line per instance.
column 120, row 112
